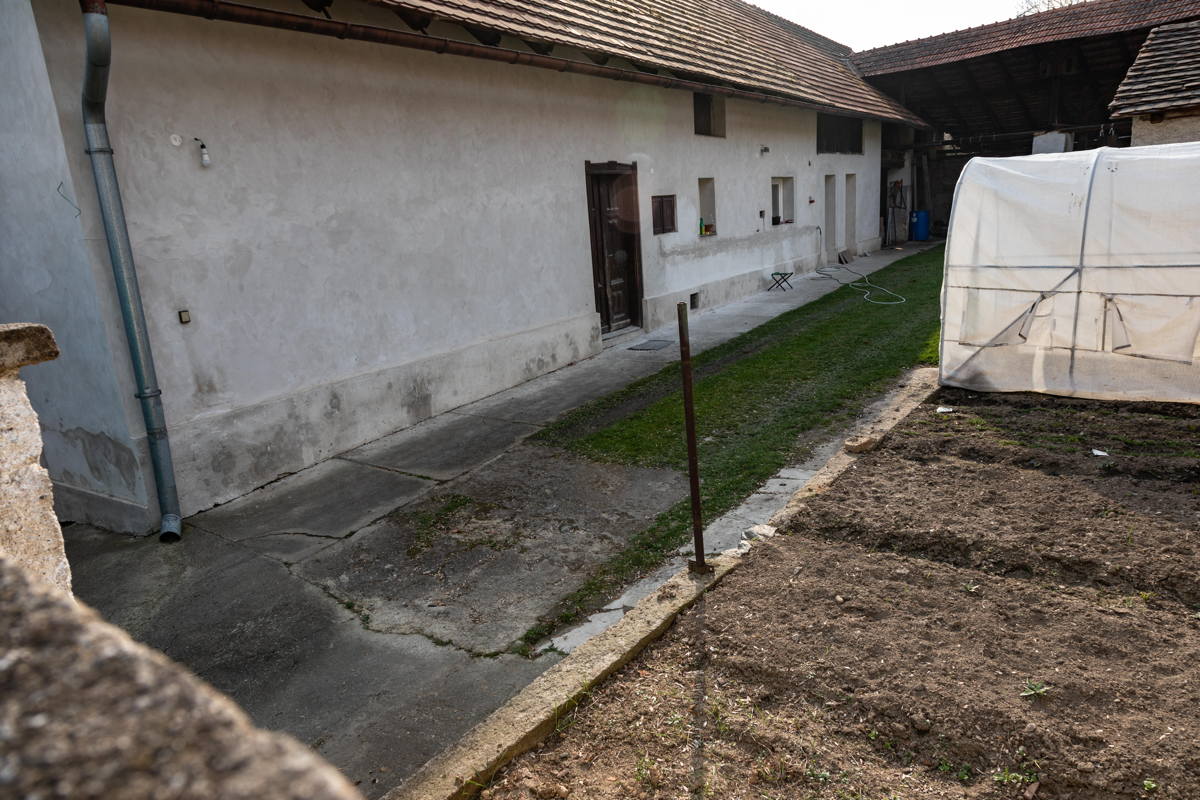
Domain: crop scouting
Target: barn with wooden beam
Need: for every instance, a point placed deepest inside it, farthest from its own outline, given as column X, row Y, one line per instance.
column 1037, row 83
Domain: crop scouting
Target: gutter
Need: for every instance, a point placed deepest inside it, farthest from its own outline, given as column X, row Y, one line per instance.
column 269, row 18
column 120, row 251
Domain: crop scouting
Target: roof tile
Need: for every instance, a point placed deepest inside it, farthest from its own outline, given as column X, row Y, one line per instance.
column 1166, row 74
column 723, row 41
column 1091, row 18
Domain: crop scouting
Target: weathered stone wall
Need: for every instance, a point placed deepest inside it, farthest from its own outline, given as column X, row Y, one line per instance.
column 1169, row 131
column 86, row 712
column 29, row 531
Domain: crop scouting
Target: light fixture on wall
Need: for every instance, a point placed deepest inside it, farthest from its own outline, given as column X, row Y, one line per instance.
column 762, row 151
column 205, row 161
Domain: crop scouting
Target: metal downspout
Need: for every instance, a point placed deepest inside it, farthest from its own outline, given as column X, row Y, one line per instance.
column 99, row 149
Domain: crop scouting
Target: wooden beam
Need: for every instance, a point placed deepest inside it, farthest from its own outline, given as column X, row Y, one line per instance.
column 1016, row 93
column 977, row 93
column 947, row 101
column 1098, row 100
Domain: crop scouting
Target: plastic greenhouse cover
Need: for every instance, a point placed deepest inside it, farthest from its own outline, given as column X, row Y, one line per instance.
column 1076, row 274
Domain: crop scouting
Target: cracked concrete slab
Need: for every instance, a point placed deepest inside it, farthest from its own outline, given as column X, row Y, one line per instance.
column 331, row 498
column 443, row 447
column 376, row 705
column 479, row 561
column 288, row 547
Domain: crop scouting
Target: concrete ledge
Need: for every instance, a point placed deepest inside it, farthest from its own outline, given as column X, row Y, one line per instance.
column 25, row 343
column 534, row 713
column 76, row 504
column 225, row 454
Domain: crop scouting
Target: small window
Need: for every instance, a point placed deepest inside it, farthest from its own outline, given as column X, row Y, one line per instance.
column 839, row 134
column 708, row 207
column 663, row 206
column 783, row 201
column 710, row 114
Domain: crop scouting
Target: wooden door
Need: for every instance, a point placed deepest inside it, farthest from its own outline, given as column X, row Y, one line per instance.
column 616, row 244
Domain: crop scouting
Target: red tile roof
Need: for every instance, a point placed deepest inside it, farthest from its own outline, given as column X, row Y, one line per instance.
column 720, row 41
column 1166, row 75
column 1091, row 18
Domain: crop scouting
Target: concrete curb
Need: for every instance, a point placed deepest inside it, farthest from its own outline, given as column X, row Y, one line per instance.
column 533, row 714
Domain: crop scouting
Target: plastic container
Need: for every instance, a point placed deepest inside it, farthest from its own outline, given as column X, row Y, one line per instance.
column 918, row 226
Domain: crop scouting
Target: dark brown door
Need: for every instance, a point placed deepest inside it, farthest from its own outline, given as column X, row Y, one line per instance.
column 616, row 243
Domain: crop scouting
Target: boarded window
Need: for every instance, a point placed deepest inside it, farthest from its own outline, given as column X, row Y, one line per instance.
column 839, row 134
column 663, row 206
column 710, row 114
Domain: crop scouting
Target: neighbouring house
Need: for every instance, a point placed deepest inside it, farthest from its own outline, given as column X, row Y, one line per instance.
column 1036, row 83
column 1161, row 92
column 337, row 237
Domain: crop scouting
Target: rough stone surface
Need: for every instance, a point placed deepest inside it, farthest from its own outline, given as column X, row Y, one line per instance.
column 29, row 531
column 24, row 343
column 863, row 444
column 88, row 713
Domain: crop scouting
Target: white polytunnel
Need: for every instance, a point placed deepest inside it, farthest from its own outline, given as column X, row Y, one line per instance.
column 1076, row 274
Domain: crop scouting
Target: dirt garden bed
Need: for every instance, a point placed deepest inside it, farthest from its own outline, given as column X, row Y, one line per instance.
column 981, row 608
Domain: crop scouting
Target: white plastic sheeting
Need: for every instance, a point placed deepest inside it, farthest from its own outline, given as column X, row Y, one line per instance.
column 1076, row 274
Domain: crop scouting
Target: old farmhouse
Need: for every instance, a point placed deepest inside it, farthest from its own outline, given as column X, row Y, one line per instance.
column 345, row 222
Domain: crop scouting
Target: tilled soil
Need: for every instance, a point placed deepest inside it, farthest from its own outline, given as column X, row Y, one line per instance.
column 981, row 608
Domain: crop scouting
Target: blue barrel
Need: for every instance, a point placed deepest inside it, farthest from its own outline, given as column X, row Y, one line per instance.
column 918, row 226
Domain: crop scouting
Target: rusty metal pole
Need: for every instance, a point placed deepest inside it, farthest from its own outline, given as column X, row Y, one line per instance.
column 689, row 423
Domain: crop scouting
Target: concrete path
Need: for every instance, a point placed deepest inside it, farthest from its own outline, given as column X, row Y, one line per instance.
column 364, row 604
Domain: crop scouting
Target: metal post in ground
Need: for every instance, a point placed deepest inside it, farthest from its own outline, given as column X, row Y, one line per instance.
column 689, row 421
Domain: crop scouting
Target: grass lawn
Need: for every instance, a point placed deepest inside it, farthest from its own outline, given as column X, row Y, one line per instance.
column 762, row 401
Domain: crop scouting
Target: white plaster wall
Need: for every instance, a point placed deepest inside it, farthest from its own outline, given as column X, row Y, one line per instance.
column 1169, row 131
column 46, row 276
column 385, row 234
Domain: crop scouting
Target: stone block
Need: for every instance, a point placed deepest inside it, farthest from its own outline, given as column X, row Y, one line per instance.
column 29, row 531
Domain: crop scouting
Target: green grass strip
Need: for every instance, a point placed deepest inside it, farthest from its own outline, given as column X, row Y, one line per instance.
column 760, row 397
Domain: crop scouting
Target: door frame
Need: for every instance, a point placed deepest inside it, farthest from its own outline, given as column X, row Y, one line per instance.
column 590, row 170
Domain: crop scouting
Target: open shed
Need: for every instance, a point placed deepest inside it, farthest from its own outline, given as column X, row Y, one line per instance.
column 1076, row 274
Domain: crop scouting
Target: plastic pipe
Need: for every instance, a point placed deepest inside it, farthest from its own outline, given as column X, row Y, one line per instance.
column 120, row 251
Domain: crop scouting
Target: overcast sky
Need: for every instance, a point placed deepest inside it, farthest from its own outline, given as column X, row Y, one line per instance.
column 863, row 24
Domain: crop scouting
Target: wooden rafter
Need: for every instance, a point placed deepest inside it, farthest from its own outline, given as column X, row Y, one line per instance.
column 976, row 92
column 948, row 101
column 1011, row 86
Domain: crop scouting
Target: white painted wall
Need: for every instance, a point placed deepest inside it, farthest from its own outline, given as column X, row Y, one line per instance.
column 385, row 234
column 1169, row 131
column 47, row 248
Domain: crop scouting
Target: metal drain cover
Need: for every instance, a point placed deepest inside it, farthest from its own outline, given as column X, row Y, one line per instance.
column 652, row 344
